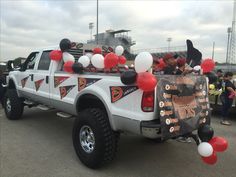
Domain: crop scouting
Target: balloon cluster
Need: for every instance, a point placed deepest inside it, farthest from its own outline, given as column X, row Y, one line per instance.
column 110, row 60
column 145, row 80
column 97, row 59
column 210, row 145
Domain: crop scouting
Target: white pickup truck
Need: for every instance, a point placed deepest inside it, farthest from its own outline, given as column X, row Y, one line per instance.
column 104, row 107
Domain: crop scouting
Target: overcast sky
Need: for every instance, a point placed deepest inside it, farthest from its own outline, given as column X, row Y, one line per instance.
column 26, row 25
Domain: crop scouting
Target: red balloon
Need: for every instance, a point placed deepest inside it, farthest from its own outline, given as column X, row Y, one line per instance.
column 97, row 50
column 111, row 60
column 161, row 65
column 219, row 144
column 211, row 160
column 68, row 66
column 207, row 65
column 55, row 55
column 146, row 81
column 122, row 60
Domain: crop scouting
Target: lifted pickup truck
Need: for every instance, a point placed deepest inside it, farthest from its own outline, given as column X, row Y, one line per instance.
column 104, row 107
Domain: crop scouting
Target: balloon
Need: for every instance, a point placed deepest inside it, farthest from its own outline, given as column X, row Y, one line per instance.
column 212, row 159
column 122, row 60
column 77, row 68
column 197, row 68
column 126, row 67
column 205, row 149
column 84, row 60
column 143, row 61
column 97, row 50
column 205, row 132
column 128, row 77
column 119, row 50
column 146, row 81
column 97, row 61
column 67, row 57
column 68, row 66
column 211, row 77
column 211, row 86
column 161, row 65
column 55, row 55
column 207, row 65
column 219, row 144
column 111, row 60
column 65, row 45
column 89, row 55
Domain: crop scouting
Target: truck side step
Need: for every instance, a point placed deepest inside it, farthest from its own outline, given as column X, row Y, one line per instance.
column 64, row 115
column 43, row 107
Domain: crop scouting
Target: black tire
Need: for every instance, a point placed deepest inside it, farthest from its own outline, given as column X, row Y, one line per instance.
column 14, row 112
column 104, row 137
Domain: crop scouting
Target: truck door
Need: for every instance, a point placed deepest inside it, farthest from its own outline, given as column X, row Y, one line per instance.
column 25, row 77
column 41, row 77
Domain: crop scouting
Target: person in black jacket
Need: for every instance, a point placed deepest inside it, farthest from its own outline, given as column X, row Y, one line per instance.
column 227, row 98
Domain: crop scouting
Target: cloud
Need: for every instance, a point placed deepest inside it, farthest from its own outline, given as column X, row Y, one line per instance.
column 30, row 24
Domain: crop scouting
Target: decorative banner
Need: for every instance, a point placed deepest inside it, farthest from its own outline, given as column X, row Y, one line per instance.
column 23, row 81
column 64, row 90
column 183, row 104
column 118, row 92
column 85, row 82
column 58, row 80
column 38, row 84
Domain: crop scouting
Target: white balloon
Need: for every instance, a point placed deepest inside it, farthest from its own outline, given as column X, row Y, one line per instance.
column 197, row 68
column 89, row 55
column 143, row 62
column 84, row 60
column 205, row 149
column 119, row 50
column 67, row 57
column 98, row 61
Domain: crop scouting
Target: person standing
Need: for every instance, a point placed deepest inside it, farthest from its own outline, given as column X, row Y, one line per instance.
column 227, row 97
column 218, row 84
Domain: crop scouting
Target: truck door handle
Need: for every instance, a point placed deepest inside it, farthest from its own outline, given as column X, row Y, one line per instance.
column 32, row 77
column 47, row 78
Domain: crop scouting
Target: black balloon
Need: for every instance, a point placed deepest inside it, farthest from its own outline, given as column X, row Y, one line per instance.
column 212, row 77
column 77, row 68
column 65, row 45
column 128, row 77
column 205, row 133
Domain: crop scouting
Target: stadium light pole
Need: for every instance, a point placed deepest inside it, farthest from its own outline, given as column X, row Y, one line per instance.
column 229, row 30
column 169, row 39
column 91, row 25
column 213, row 51
column 97, row 23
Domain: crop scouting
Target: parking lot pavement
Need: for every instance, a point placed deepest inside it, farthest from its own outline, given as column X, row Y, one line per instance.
column 40, row 145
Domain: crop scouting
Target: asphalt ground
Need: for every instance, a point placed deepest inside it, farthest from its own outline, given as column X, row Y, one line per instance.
column 40, row 145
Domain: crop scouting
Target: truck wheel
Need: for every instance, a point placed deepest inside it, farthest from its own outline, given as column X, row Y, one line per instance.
column 13, row 105
column 94, row 141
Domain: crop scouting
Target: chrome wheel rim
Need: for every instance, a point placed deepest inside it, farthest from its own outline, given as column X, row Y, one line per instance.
column 8, row 105
column 87, row 139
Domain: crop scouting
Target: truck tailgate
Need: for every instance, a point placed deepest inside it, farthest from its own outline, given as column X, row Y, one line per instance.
column 182, row 104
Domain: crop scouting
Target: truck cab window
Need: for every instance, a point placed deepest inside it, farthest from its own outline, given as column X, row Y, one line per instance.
column 30, row 62
column 45, row 61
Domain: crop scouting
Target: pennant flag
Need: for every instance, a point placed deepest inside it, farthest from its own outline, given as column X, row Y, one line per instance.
column 23, row 81
column 118, row 92
column 38, row 84
column 65, row 90
column 85, row 82
column 58, row 80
